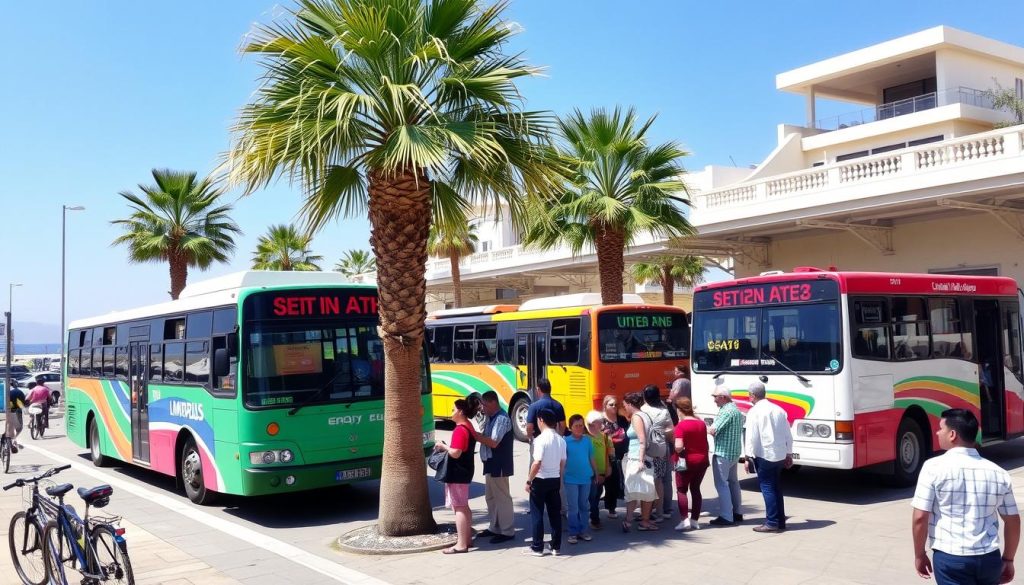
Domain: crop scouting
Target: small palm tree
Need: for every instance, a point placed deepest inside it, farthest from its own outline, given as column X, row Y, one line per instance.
column 178, row 220
column 402, row 110
column 669, row 271
column 355, row 262
column 453, row 240
column 285, row 248
column 620, row 187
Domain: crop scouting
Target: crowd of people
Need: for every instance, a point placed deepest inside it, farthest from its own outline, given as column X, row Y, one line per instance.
column 638, row 451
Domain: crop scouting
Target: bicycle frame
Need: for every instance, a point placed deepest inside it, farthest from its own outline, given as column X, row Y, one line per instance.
column 67, row 521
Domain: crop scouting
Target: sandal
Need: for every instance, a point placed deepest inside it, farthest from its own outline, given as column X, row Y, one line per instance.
column 454, row 551
column 647, row 527
column 625, row 526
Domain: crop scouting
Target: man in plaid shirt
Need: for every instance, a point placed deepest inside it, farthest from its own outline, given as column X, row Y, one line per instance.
column 728, row 433
column 957, row 505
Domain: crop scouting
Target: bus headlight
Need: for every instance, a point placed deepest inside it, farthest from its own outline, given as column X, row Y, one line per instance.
column 271, row 457
column 287, row 456
column 806, row 430
column 824, row 431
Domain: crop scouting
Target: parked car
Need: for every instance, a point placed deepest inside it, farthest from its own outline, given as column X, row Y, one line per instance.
column 17, row 371
column 50, row 379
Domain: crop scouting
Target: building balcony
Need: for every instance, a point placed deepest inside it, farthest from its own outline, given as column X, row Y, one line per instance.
column 928, row 101
column 939, row 166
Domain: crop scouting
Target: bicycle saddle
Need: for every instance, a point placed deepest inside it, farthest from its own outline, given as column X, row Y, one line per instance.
column 98, row 496
column 57, row 491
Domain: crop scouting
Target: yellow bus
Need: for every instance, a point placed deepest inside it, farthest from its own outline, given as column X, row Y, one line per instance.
column 585, row 349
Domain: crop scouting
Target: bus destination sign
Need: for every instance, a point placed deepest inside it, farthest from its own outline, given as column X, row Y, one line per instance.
column 776, row 293
column 311, row 304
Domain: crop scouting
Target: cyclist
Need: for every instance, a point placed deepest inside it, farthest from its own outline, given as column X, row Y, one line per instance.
column 14, row 421
column 40, row 394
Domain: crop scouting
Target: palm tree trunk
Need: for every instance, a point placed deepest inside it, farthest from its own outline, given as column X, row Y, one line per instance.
column 456, row 280
column 179, row 274
column 668, row 285
column 610, row 245
column 400, row 221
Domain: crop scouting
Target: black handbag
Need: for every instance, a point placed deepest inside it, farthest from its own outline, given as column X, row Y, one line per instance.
column 438, row 461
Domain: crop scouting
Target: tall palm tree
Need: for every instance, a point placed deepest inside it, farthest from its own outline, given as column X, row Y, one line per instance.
column 178, row 220
column 355, row 262
column 285, row 248
column 620, row 187
column 405, row 110
column 453, row 240
column 669, row 271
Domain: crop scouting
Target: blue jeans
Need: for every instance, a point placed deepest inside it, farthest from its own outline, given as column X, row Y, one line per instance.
column 577, row 496
column 545, row 494
column 977, row 570
column 595, row 500
column 768, row 473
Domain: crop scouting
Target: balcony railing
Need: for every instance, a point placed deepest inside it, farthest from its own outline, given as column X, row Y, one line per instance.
column 928, row 101
column 994, row 145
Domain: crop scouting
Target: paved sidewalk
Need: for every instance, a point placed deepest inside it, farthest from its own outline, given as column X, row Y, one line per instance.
column 155, row 561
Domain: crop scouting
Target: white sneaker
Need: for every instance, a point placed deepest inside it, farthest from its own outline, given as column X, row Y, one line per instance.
column 684, row 525
column 694, row 525
column 555, row 552
column 535, row 553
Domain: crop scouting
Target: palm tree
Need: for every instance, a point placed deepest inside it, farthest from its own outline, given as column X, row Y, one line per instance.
column 355, row 262
column 620, row 187
column 178, row 220
column 453, row 240
column 405, row 110
column 670, row 271
column 285, row 248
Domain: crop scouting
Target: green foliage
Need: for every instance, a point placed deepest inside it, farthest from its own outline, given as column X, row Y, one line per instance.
column 357, row 89
column 1007, row 100
column 618, row 182
column 686, row 271
column 178, row 217
column 456, row 238
column 355, row 262
column 285, row 248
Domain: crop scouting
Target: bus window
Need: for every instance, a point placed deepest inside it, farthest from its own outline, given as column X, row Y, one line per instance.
column 442, row 345
column 108, row 362
column 565, row 341
column 642, row 336
column 121, row 363
column 85, row 363
column 174, row 362
column 109, row 335
column 225, row 320
column 804, row 338
column 199, row 325
column 156, row 362
column 197, row 363
column 174, row 328
column 871, row 335
column 486, row 344
column 910, row 329
column 944, row 319
column 463, row 344
column 1011, row 340
column 73, row 362
column 97, row 362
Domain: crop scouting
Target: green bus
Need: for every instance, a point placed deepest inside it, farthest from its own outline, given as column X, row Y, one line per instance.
column 253, row 383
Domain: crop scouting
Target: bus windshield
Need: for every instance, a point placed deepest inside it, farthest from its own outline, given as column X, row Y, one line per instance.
column 288, row 363
column 636, row 335
column 801, row 337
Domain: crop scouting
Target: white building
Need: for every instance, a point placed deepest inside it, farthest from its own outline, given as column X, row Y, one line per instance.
column 924, row 177
column 922, row 174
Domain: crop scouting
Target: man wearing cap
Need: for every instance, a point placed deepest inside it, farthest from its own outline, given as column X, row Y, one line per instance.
column 770, row 443
column 728, row 433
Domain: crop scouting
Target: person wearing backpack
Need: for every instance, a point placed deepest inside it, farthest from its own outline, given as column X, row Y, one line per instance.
column 661, row 436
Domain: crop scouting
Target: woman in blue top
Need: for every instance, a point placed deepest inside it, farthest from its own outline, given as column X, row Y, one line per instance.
column 580, row 474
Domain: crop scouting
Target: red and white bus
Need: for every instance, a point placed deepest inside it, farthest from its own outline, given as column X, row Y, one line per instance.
column 863, row 363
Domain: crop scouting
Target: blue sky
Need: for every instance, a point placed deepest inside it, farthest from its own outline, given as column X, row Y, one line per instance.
column 95, row 94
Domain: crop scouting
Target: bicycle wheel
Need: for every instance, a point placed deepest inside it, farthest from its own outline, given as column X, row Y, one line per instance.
column 5, row 454
column 33, row 428
column 111, row 558
column 26, row 544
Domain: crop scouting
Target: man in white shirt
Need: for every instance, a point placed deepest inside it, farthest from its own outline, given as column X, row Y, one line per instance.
column 544, row 484
column 770, row 443
column 959, row 499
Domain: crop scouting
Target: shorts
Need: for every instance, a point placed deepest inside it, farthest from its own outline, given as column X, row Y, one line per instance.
column 456, row 495
column 660, row 467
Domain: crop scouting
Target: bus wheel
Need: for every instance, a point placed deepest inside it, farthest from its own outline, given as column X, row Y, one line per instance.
column 518, row 415
column 910, row 452
column 98, row 458
column 192, row 475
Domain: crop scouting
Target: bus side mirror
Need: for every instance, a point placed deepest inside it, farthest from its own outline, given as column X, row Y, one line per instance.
column 220, row 362
column 233, row 344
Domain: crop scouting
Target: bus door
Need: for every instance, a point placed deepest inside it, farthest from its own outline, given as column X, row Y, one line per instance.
column 532, row 359
column 990, row 369
column 139, row 379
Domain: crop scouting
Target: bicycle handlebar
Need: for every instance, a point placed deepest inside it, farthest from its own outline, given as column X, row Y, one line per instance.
column 21, row 481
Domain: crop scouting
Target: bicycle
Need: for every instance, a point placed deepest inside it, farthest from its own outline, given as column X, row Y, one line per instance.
column 35, row 421
column 94, row 547
column 27, row 529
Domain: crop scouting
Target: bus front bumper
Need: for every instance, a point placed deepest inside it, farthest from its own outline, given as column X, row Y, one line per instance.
column 830, row 455
column 259, row 481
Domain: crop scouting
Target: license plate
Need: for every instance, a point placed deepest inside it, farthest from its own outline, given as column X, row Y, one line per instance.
column 357, row 473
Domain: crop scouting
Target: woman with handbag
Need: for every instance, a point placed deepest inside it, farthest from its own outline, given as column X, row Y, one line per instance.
column 690, row 462
column 457, row 472
column 637, row 467
column 614, row 426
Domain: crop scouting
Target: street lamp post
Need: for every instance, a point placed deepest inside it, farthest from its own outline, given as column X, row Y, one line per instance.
column 10, row 338
column 63, row 253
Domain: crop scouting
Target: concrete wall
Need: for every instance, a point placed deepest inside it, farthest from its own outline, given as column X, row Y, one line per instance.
column 955, row 68
column 970, row 241
column 947, row 128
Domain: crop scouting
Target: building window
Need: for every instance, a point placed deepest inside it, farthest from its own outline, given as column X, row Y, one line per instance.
column 852, row 155
column 928, row 140
column 506, row 294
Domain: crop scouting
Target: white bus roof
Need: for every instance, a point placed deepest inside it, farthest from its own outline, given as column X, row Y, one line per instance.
column 585, row 299
column 215, row 292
